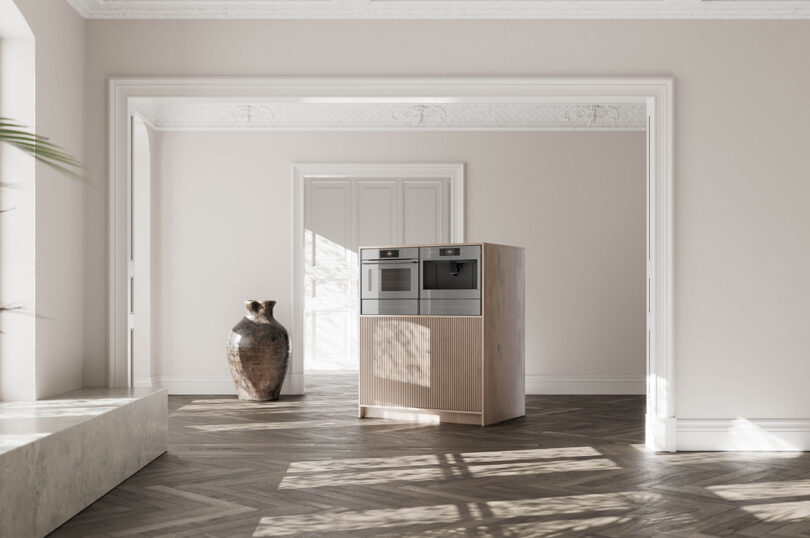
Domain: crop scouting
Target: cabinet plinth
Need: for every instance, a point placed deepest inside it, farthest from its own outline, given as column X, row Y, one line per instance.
column 462, row 369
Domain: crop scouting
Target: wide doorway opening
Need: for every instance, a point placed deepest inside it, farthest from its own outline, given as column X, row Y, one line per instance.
column 512, row 202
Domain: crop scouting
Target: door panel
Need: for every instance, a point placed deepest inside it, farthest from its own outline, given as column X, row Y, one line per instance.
column 425, row 208
column 376, row 213
column 330, row 265
column 331, row 222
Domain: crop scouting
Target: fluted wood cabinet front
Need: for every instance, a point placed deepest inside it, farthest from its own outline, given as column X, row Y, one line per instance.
column 425, row 362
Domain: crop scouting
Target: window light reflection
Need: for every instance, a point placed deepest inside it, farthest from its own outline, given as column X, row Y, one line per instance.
column 349, row 521
column 794, row 511
column 330, row 473
column 762, row 490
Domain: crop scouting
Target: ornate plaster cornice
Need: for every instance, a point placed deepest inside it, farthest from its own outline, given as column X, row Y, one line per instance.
column 393, row 116
column 442, row 9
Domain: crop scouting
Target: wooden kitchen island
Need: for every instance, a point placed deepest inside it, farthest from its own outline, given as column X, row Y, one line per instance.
column 462, row 369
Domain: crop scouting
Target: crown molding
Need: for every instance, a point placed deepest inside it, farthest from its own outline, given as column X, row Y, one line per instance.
column 195, row 115
column 442, row 9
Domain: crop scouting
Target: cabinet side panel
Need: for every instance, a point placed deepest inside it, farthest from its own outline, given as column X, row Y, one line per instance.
column 504, row 333
column 421, row 362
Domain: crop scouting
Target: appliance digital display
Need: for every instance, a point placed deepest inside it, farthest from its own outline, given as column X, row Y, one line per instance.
column 389, row 254
column 449, row 251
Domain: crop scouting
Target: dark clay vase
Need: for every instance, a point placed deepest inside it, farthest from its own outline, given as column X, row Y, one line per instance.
column 258, row 353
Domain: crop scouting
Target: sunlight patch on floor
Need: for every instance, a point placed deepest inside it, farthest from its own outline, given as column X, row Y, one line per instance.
column 780, row 512
column 418, row 474
column 762, row 490
column 473, row 513
column 530, row 454
column 773, row 512
column 538, row 467
column 314, row 474
column 352, row 464
column 547, row 529
column 362, row 463
column 421, row 474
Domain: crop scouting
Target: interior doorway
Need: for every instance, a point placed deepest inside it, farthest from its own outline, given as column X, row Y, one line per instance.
column 348, row 206
column 430, row 103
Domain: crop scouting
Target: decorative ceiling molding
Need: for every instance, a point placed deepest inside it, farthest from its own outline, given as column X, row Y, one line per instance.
column 195, row 115
column 443, row 9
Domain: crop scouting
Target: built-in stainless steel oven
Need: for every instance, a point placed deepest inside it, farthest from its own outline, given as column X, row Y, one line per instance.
column 389, row 281
column 450, row 278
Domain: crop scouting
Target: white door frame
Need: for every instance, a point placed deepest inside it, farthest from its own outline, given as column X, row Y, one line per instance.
column 655, row 92
column 337, row 171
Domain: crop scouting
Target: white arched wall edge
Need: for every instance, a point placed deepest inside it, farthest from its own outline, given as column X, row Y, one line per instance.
column 140, row 340
column 656, row 92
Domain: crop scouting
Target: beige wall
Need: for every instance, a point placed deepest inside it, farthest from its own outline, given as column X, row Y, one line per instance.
column 742, row 125
column 59, row 256
column 575, row 201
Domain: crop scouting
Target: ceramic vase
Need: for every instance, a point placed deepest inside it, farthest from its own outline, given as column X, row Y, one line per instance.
column 258, row 353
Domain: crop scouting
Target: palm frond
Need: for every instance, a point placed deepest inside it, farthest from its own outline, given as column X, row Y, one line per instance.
column 39, row 147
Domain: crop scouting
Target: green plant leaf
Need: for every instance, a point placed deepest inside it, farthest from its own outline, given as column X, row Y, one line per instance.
column 39, row 147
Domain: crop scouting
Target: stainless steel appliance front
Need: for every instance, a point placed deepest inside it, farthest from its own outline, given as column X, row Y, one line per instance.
column 450, row 307
column 389, row 281
column 389, row 307
column 450, row 280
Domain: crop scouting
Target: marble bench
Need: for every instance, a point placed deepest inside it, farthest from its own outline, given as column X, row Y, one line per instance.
column 58, row 456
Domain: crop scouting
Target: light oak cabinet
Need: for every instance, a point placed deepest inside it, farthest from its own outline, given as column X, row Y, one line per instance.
column 464, row 369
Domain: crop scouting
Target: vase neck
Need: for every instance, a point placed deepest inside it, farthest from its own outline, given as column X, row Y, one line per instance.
column 259, row 311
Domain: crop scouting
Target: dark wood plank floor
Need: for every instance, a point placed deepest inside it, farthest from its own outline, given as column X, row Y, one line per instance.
column 307, row 466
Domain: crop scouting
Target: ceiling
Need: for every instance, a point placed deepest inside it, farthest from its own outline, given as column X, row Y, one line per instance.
column 443, row 9
column 201, row 115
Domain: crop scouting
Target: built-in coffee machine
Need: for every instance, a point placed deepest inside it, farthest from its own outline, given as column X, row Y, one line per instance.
column 450, row 280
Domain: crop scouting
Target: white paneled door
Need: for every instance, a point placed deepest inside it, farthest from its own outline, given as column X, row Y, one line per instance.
column 341, row 215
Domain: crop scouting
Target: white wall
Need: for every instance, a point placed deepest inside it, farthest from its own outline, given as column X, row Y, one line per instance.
column 741, row 130
column 575, row 201
column 60, row 250
column 17, row 222
column 142, row 164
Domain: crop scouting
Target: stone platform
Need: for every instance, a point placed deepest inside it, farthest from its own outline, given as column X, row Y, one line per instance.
column 57, row 456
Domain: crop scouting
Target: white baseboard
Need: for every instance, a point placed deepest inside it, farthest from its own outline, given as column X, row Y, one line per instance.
column 744, row 435
column 179, row 385
column 586, row 384
column 150, row 381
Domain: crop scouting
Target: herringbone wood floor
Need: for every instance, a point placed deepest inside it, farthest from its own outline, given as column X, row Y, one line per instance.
column 573, row 466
